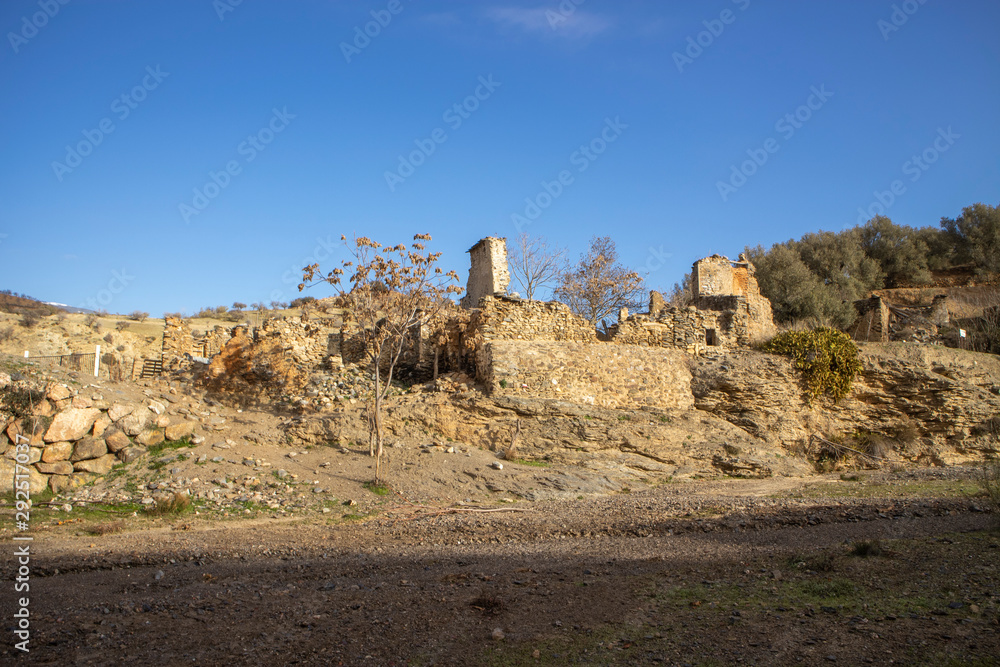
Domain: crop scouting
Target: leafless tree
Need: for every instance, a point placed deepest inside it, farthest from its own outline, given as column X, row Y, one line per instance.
column 534, row 264
column 682, row 293
column 599, row 285
column 390, row 290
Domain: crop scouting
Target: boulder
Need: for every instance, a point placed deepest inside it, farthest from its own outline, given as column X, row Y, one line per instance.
column 150, row 438
column 134, row 422
column 119, row 410
column 13, row 430
column 130, row 454
column 100, row 466
column 81, row 402
column 58, row 392
column 88, row 448
column 116, row 440
column 57, row 451
column 78, row 479
column 162, row 421
column 60, row 483
column 4, row 380
column 34, row 454
column 37, row 482
column 156, row 407
column 57, row 468
column 180, row 430
column 101, row 425
column 71, row 424
column 42, row 409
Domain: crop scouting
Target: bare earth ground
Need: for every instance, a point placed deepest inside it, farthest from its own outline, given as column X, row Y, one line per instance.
column 700, row 573
column 603, row 564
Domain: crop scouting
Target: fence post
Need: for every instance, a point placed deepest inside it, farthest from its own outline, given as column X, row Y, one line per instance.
column 97, row 361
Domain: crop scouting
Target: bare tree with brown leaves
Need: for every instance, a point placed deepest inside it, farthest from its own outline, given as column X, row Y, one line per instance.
column 534, row 264
column 599, row 285
column 391, row 290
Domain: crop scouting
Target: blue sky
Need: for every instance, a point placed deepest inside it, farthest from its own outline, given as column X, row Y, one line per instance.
column 166, row 155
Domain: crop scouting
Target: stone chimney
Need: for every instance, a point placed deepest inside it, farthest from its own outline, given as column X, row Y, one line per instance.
column 488, row 274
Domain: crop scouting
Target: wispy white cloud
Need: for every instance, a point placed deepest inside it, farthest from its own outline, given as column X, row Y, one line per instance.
column 549, row 20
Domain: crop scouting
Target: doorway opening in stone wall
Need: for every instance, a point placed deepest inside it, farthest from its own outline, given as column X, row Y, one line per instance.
column 711, row 338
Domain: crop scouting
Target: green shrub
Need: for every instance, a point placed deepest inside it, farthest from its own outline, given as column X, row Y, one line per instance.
column 828, row 358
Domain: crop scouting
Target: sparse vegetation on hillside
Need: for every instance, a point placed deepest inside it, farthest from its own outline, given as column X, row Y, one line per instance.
column 138, row 315
column 20, row 304
column 827, row 358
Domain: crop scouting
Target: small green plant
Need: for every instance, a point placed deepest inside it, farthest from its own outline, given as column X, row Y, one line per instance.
column 528, row 462
column 624, row 418
column 378, row 489
column 664, row 419
column 828, row 358
column 503, row 383
column 170, row 444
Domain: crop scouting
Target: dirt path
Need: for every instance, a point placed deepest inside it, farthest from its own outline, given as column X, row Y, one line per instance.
column 723, row 573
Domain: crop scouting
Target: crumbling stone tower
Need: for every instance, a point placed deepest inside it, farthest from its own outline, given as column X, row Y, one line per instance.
column 488, row 274
column 723, row 285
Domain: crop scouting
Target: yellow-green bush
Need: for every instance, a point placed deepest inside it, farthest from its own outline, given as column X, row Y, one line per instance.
column 828, row 358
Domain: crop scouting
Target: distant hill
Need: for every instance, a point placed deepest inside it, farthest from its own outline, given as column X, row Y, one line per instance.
column 20, row 304
column 70, row 309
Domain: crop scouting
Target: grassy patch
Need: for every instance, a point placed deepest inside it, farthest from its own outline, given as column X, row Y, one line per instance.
column 527, row 462
column 378, row 489
column 170, row 444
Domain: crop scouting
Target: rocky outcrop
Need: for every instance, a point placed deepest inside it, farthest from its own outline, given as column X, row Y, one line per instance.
column 681, row 442
column 930, row 403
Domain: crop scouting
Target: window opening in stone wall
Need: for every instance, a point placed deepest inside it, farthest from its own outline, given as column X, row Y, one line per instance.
column 710, row 337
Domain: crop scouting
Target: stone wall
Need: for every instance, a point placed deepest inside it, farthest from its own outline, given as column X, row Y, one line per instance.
column 599, row 374
column 177, row 342
column 510, row 318
column 307, row 342
column 214, row 340
column 712, row 275
column 488, row 272
column 688, row 329
column 872, row 325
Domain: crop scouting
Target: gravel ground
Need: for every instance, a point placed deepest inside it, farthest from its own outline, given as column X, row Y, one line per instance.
column 700, row 573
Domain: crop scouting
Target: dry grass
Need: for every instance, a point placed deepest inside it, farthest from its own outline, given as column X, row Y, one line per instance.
column 176, row 504
column 107, row 528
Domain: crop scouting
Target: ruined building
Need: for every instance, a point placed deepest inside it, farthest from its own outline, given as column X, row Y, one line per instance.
column 525, row 348
column 488, row 274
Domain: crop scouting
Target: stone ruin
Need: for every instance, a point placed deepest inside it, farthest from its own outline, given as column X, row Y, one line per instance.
column 879, row 321
column 488, row 274
column 514, row 346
